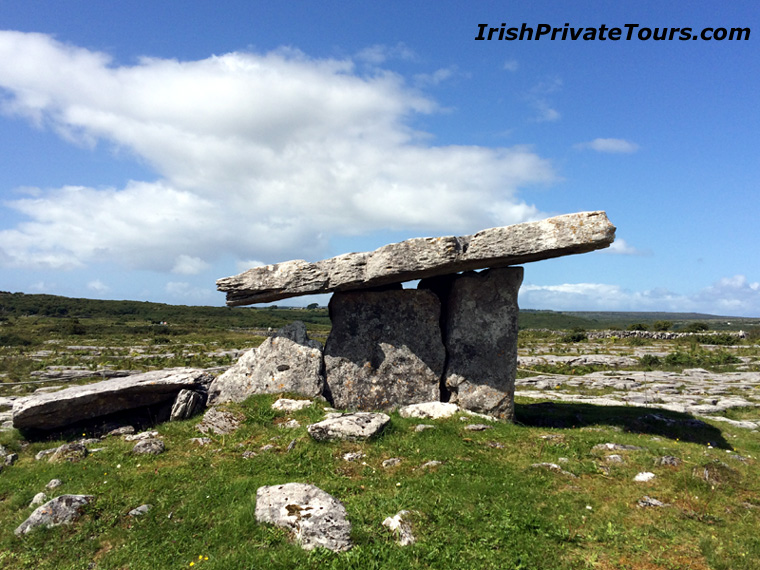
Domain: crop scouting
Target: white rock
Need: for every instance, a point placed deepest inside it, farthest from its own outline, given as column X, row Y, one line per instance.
column 429, row 410
column 316, row 518
column 401, row 527
column 644, row 476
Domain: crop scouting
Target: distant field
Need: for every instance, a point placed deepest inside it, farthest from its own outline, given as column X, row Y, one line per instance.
column 63, row 311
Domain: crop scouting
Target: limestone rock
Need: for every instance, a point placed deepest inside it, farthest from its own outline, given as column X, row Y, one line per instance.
column 401, row 527
column 480, row 333
column 71, row 452
column 429, row 410
column 287, row 405
column 423, row 257
column 316, row 518
column 149, row 447
column 38, row 499
column 219, row 422
column 76, row 403
column 352, row 427
column 61, row 510
column 140, row 511
column 186, row 405
column 288, row 361
column 384, row 350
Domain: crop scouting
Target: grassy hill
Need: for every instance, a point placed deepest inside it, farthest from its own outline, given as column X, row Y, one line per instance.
column 17, row 305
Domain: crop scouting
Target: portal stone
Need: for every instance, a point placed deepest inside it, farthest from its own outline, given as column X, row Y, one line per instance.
column 480, row 332
column 385, row 349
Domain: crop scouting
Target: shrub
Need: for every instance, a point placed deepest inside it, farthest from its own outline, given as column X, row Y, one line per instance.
column 662, row 326
column 696, row 327
column 650, row 361
column 637, row 327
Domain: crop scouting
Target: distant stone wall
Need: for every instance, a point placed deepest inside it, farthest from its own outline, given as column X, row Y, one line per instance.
column 659, row 335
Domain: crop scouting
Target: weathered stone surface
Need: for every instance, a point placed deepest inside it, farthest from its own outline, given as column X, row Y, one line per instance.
column 186, row 405
column 219, row 422
column 288, row 361
column 480, row 333
column 401, row 527
column 423, row 257
column 384, row 350
column 351, row 427
column 61, row 510
column 316, row 518
column 58, row 409
column 149, row 447
column 71, row 452
column 429, row 410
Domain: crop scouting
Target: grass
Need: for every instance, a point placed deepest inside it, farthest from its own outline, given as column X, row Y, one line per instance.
column 485, row 506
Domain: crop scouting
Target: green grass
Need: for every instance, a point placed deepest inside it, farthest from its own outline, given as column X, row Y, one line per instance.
column 484, row 507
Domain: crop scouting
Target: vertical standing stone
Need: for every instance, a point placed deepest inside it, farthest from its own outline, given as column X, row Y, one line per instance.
column 385, row 349
column 480, row 334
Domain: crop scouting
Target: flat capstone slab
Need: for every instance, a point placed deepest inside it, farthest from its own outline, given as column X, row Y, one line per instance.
column 419, row 258
column 355, row 426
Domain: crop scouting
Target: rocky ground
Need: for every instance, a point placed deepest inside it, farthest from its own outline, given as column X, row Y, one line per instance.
column 695, row 391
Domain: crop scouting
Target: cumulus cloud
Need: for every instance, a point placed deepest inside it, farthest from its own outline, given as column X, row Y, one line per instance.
column 615, row 146
column 733, row 296
column 98, row 287
column 622, row 247
column 189, row 265
column 256, row 155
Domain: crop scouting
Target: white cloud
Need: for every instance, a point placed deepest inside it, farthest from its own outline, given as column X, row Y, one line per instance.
column 616, row 146
column 435, row 78
column 183, row 290
column 380, row 53
column 263, row 155
column 246, row 264
column 98, row 286
column 511, row 65
column 622, row 247
column 538, row 97
column 189, row 265
column 734, row 296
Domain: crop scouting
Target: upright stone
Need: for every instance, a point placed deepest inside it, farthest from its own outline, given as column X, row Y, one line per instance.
column 385, row 349
column 480, row 332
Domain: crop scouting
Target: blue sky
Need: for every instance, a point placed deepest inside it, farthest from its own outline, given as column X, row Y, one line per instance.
column 150, row 148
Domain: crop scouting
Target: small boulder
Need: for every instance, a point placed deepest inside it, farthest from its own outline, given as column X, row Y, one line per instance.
column 219, row 422
column 140, row 511
column 71, row 452
column 316, row 518
column 352, row 427
column 61, row 510
column 401, row 527
column 186, row 405
column 38, row 500
column 429, row 410
column 149, row 447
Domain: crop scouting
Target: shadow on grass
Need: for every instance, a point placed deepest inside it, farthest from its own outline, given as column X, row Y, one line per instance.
column 664, row 423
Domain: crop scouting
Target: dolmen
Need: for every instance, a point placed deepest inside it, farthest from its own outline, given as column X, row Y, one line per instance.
column 452, row 339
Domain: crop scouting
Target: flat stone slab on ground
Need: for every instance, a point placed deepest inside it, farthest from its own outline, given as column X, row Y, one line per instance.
column 77, row 403
column 316, row 518
column 419, row 258
column 351, row 427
